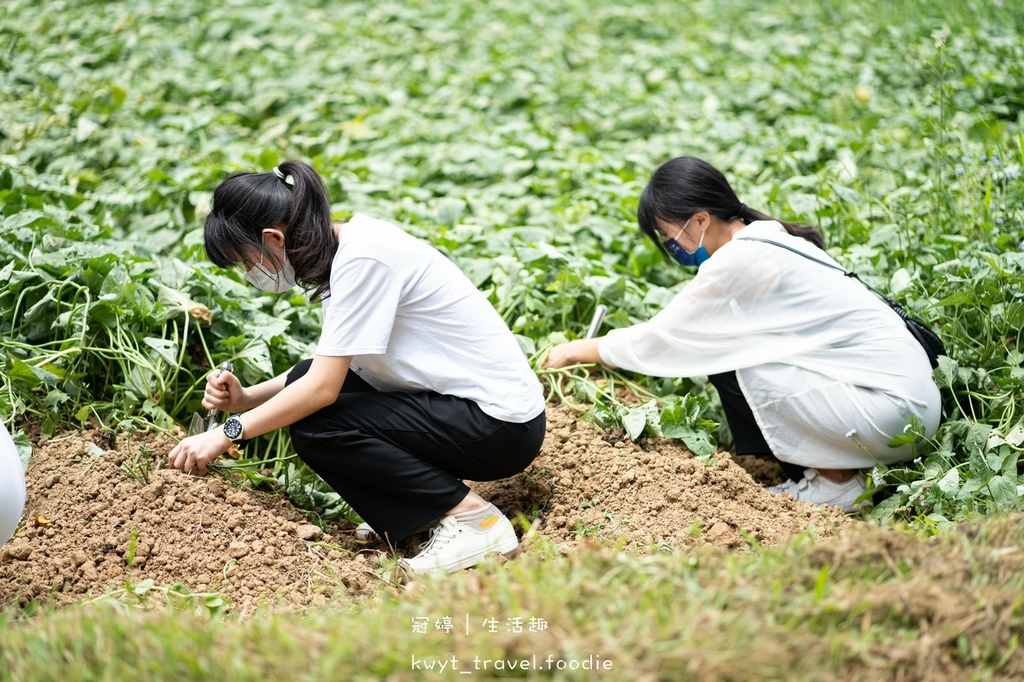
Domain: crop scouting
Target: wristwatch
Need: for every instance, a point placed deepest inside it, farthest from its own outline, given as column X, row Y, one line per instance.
column 233, row 429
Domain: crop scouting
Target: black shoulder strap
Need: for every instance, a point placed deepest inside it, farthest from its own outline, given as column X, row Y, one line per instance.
column 849, row 273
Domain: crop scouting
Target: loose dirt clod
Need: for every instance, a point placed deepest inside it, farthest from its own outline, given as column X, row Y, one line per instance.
column 97, row 523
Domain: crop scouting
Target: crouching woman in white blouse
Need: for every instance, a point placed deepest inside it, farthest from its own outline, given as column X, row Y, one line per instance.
column 811, row 367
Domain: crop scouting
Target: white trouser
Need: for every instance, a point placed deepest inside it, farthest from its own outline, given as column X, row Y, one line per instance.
column 12, row 486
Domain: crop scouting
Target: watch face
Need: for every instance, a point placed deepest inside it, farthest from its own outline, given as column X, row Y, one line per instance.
column 233, row 428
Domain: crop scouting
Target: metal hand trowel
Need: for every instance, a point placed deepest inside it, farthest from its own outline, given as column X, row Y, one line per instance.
column 595, row 322
column 198, row 424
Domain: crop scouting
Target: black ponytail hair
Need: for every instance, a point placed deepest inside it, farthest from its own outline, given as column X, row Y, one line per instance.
column 687, row 185
column 294, row 198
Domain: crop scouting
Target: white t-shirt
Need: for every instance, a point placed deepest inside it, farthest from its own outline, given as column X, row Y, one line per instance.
column 829, row 370
column 414, row 322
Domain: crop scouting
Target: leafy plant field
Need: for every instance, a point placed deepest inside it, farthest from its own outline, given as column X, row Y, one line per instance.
column 516, row 137
column 517, row 140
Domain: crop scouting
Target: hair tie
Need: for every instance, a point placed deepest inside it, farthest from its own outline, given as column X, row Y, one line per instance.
column 286, row 179
column 743, row 212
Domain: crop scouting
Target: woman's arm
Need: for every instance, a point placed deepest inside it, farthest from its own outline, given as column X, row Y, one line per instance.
column 261, row 393
column 314, row 390
column 579, row 352
column 225, row 392
column 283, row 405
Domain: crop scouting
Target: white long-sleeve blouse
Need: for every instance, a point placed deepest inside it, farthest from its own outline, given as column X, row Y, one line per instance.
column 829, row 370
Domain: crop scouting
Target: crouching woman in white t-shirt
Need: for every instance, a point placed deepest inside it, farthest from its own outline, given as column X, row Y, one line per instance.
column 416, row 383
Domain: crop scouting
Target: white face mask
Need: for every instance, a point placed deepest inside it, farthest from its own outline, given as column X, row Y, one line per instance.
column 274, row 282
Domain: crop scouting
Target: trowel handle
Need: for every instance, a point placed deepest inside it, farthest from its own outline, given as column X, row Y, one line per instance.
column 595, row 323
column 211, row 416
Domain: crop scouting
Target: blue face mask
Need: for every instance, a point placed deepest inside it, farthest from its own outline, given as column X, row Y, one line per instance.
column 684, row 257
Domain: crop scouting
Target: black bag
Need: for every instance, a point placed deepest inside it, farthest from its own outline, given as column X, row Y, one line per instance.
column 928, row 339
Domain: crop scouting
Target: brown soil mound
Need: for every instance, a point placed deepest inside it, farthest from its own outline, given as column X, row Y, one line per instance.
column 651, row 494
column 103, row 515
column 91, row 527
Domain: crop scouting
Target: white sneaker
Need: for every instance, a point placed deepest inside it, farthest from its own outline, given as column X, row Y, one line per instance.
column 817, row 489
column 454, row 545
column 364, row 533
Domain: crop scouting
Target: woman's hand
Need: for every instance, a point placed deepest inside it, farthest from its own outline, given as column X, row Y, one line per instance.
column 195, row 453
column 573, row 353
column 224, row 392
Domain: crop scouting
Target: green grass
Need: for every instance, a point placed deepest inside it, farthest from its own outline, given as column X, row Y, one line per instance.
column 875, row 604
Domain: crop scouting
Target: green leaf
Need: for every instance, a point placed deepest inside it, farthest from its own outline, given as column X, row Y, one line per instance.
column 1016, row 435
column 23, row 373
column 254, row 363
column 885, row 510
column 946, row 373
column 55, row 399
column 995, row 265
column 24, row 447
column 700, row 443
column 998, row 457
column 635, row 421
column 1004, row 492
column 950, row 482
column 961, row 298
column 166, row 349
column 22, row 219
column 913, row 433
column 144, row 586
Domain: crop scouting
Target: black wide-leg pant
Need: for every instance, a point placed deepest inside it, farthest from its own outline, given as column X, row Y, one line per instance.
column 746, row 434
column 399, row 458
